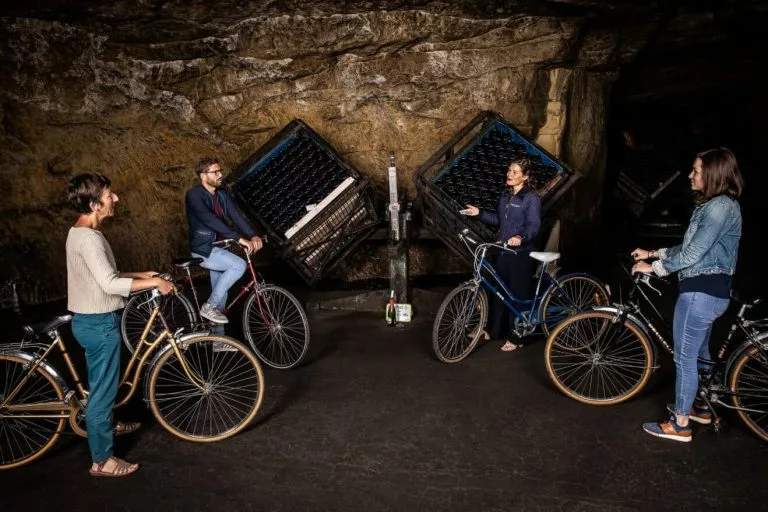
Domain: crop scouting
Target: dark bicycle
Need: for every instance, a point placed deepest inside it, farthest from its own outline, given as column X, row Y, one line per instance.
column 606, row 356
column 463, row 314
column 274, row 322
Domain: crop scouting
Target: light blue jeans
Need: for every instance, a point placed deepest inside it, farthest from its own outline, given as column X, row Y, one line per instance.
column 695, row 312
column 225, row 270
column 99, row 335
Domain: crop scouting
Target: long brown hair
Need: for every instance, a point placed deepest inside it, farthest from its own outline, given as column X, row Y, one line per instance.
column 525, row 167
column 721, row 175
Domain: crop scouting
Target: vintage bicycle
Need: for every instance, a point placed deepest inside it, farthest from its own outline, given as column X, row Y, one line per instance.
column 463, row 313
column 606, row 356
column 274, row 322
column 200, row 387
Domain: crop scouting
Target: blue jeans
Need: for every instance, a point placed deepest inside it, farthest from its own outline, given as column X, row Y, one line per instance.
column 225, row 270
column 99, row 335
column 695, row 312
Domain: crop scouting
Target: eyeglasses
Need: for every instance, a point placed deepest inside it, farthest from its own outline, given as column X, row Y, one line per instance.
column 218, row 171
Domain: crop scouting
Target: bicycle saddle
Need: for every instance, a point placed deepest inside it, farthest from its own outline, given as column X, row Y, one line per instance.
column 186, row 262
column 743, row 300
column 47, row 326
column 545, row 257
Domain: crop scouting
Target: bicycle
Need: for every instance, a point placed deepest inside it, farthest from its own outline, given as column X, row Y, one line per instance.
column 463, row 313
column 274, row 323
column 606, row 357
column 196, row 391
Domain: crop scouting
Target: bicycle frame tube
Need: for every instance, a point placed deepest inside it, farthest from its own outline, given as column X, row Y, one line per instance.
column 140, row 356
column 507, row 297
column 252, row 286
column 192, row 287
column 244, row 291
column 144, row 349
column 247, row 288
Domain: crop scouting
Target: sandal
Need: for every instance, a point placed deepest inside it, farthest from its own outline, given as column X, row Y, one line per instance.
column 125, row 428
column 510, row 347
column 483, row 333
column 119, row 468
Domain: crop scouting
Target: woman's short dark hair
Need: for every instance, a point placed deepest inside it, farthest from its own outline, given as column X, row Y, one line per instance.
column 721, row 175
column 85, row 189
column 204, row 164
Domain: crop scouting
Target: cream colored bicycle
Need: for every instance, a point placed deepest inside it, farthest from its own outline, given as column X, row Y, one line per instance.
column 200, row 387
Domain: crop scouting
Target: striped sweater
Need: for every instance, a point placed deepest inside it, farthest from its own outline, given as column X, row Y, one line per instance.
column 93, row 282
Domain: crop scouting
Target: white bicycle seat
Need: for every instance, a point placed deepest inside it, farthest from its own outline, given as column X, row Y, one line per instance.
column 545, row 257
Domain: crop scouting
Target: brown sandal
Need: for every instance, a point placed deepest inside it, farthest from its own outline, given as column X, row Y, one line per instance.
column 509, row 347
column 125, row 428
column 120, row 468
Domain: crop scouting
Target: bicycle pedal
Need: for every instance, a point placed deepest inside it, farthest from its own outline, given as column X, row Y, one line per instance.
column 718, row 425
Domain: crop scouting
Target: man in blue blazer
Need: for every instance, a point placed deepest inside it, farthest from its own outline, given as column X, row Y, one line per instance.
column 210, row 212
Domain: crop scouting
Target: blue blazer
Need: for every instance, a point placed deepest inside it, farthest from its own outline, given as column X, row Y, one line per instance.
column 516, row 214
column 205, row 227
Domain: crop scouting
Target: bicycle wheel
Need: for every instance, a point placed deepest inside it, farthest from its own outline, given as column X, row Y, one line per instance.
column 598, row 362
column 576, row 293
column 459, row 322
column 226, row 393
column 276, row 326
column 27, row 435
column 177, row 310
column 749, row 384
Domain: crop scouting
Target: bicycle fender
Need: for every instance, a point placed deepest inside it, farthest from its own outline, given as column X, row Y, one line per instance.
column 762, row 339
column 43, row 365
column 613, row 310
column 163, row 350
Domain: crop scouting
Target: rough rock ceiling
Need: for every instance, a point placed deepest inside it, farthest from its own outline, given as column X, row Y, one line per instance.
column 724, row 36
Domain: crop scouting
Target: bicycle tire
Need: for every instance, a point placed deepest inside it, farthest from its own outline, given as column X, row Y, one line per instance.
column 177, row 310
column 590, row 292
column 580, row 369
column 468, row 305
column 196, row 416
column 39, row 434
column 748, row 379
column 276, row 326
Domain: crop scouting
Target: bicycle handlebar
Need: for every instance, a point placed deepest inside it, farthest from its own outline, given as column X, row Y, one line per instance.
column 231, row 241
column 500, row 244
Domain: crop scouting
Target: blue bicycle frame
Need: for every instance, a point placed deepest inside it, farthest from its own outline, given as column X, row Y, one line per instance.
column 507, row 297
column 533, row 317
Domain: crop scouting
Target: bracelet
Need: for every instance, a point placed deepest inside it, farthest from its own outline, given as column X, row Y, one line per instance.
column 653, row 254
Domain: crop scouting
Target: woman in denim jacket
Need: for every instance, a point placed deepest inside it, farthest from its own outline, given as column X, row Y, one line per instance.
column 705, row 263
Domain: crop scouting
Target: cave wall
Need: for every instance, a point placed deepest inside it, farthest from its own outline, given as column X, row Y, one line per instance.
column 143, row 101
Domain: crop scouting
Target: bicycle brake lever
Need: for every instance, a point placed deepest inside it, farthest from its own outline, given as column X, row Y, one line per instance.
column 646, row 280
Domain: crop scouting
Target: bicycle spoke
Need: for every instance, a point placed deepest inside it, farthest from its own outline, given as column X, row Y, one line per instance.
column 276, row 326
column 750, row 388
column 230, row 391
column 458, row 323
column 23, row 439
column 595, row 360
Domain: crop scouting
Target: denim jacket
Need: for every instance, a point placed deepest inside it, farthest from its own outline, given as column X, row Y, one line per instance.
column 710, row 244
